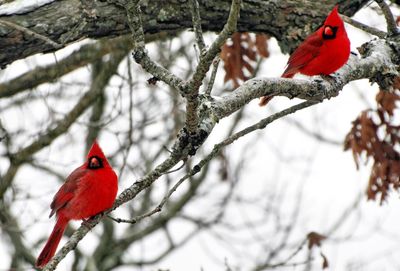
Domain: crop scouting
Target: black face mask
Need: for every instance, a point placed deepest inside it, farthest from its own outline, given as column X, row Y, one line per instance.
column 329, row 32
column 95, row 162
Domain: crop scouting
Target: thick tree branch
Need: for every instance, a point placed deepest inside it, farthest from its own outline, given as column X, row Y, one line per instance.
column 32, row 33
column 285, row 20
column 85, row 55
column 378, row 62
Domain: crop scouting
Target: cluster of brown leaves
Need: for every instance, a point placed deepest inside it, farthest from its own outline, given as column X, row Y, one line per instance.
column 374, row 135
column 240, row 56
column 315, row 240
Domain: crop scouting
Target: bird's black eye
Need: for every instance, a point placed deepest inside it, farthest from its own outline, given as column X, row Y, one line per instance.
column 95, row 162
column 329, row 32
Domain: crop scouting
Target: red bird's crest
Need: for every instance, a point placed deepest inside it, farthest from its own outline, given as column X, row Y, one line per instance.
column 96, row 157
column 333, row 18
column 95, row 150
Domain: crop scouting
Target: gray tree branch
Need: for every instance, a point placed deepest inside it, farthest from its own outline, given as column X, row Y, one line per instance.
column 285, row 20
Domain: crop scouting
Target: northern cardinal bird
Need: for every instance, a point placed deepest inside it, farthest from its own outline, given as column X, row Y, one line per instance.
column 88, row 190
column 322, row 53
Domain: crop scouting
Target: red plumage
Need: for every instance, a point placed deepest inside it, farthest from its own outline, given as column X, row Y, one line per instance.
column 88, row 190
column 321, row 53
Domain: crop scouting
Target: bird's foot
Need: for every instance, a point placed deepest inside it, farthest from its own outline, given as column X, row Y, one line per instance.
column 330, row 78
column 87, row 221
column 321, row 88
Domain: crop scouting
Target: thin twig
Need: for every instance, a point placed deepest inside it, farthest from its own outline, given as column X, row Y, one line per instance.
column 31, row 33
column 178, row 168
column 213, row 75
column 159, row 207
column 196, row 19
column 140, row 52
column 314, row 134
column 390, row 21
column 366, row 28
column 281, row 264
column 284, row 262
column 137, row 218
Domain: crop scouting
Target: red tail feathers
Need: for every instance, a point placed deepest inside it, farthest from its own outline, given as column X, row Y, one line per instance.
column 52, row 243
column 265, row 99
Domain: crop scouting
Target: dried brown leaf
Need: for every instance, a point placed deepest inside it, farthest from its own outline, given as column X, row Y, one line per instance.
column 262, row 45
column 240, row 56
column 387, row 101
column 325, row 263
column 377, row 138
column 315, row 239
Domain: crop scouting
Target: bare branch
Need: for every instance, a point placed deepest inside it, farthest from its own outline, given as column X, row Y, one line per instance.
column 390, row 21
column 140, row 52
column 366, row 28
column 83, row 56
column 318, row 136
column 213, row 75
column 196, row 19
column 285, row 262
column 31, row 33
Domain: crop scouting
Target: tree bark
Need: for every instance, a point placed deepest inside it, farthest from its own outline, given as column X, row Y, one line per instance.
column 53, row 26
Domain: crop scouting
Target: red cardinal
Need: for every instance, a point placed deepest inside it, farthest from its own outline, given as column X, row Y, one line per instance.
column 322, row 53
column 88, row 190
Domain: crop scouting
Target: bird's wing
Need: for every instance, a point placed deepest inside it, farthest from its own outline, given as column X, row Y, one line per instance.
column 67, row 190
column 303, row 54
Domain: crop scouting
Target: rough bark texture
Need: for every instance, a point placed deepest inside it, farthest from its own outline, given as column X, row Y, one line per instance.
column 67, row 21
